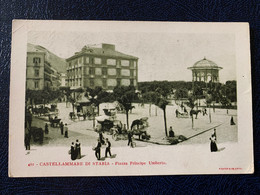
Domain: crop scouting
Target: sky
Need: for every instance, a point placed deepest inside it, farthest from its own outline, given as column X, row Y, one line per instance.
column 162, row 56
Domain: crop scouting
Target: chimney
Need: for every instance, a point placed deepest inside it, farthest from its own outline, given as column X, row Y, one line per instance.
column 106, row 46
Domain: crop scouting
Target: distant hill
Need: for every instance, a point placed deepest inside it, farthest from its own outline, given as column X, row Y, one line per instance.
column 56, row 62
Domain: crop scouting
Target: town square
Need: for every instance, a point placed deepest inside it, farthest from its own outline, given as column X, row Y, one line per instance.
column 100, row 100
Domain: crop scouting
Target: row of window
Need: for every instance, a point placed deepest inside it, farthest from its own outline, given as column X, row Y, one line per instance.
column 98, row 61
column 76, row 82
column 103, row 82
column 104, row 71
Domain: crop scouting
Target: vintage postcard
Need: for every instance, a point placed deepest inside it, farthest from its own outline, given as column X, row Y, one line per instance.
column 107, row 98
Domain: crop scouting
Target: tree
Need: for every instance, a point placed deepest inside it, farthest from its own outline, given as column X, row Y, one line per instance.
column 161, row 102
column 208, row 102
column 198, row 90
column 181, row 93
column 150, row 97
column 97, row 96
column 231, row 90
column 125, row 96
column 68, row 93
column 191, row 104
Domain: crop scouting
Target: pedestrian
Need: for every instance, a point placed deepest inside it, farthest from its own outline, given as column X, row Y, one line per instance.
column 66, row 131
column 171, row 132
column 97, row 150
column 205, row 112
column 130, row 141
column 213, row 144
column 176, row 113
column 27, row 137
column 108, row 147
column 232, row 121
column 29, row 117
column 61, row 128
column 72, row 151
column 46, row 128
column 78, row 149
column 71, row 115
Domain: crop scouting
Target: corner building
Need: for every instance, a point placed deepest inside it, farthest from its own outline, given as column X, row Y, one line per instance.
column 40, row 74
column 104, row 67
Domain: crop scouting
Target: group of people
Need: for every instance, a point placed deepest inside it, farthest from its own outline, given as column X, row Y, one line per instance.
column 75, row 150
column 99, row 145
column 62, row 129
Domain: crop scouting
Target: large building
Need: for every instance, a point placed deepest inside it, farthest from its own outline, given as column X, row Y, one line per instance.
column 104, row 67
column 40, row 74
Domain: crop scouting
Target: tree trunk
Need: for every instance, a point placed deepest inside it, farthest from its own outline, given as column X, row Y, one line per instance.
column 165, row 123
column 93, row 117
column 209, row 115
column 192, row 121
column 127, row 122
column 155, row 110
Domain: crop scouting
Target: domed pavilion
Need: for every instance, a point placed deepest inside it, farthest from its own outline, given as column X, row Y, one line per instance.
column 205, row 70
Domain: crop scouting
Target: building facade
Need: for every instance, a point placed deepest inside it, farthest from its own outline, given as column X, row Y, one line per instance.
column 63, row 79
column 104, row 67
column 35, row 71
column 39, row 72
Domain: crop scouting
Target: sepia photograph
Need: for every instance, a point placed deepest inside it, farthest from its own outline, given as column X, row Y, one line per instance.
column 130, row 98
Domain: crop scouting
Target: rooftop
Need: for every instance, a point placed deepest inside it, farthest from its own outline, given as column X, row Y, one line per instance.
column 105, row 50
column 205, row 63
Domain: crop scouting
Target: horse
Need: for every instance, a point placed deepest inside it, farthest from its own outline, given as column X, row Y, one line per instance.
column 195, row 112
column 136, row 122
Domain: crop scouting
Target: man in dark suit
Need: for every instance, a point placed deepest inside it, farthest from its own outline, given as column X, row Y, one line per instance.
column 97, row 150
column 61, row 128
column 108, row 146
column 130, row 141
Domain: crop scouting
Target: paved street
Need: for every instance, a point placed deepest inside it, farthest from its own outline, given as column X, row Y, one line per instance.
column 83, row 130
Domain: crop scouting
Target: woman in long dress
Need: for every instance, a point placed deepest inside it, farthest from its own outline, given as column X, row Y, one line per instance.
column 213, row 144
column 78, row 150
column 72, row 151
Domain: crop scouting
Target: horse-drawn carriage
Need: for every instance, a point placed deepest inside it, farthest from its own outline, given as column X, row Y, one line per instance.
column 54, row 120
column 139, row 128
column 104, row 123
column 180, row 114
column 40, row 110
